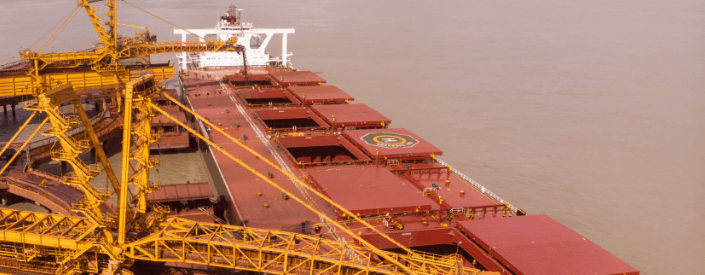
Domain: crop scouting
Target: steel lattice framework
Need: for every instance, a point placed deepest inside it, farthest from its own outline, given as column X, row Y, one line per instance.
column 269, row 251
column 56, row 244
column 72, row 244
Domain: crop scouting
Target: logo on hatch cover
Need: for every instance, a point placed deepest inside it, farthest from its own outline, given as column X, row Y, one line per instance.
column 389, row 140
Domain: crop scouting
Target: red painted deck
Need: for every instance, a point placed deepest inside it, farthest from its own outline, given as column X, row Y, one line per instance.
column 344, row 115
column 451, row 193
column 263, row 93
column 397, row 147
column 160, row 98
column 243, row 185
column 538, row 244
column 371, row 188
column 286, row 78
column 326, row 94
column 253, row 76
column 182, row 192
column 162, row 120
column 368, row 190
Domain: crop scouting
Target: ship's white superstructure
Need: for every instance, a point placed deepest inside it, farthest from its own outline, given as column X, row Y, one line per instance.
column 254, row 40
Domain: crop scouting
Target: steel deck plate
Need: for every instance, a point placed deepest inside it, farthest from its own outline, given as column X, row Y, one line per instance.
column 538, row 244
column 350, row 115
column 320, row 94
column 286, row 78
column 182, row 192
column 451, row 192
column 263, row 93
column 391, row 143
column 368, row 190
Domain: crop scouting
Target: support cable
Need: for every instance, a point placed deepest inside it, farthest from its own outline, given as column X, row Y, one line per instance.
column 161, row 19
column 17, row 133
column 216, row 128
column 24, row 144
column 59, row 29
column 266, row 179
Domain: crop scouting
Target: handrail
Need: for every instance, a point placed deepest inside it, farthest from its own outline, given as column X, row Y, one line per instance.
column 72, row 132
column 477, row 185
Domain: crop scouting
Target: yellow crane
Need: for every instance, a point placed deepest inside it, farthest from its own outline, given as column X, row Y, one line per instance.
column 140, row 37
column 99, row 68
column 108, row 243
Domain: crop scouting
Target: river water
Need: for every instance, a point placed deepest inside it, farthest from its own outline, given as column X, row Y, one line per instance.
column 590, row 111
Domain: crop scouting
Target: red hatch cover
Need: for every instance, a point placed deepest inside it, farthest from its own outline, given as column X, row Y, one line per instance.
column 179, row 192
column 368, row 191
column 320, row 94
column 162, row 120
column 391, row 143
column 262, row 93
column 286, row 78
column 350, row 115
column 538, row 244
column 159, row 97
column 250, row 77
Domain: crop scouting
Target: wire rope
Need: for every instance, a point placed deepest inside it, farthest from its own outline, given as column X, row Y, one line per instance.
column 161, row 19
column 59, row 29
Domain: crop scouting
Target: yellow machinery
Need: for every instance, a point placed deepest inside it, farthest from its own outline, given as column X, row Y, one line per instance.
column 108, row 243
column 140, row 37
column 46, row 243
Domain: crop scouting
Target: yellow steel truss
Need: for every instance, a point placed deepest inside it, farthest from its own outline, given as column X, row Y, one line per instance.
column 47, row 243
column 12, row 85
column 45, row 230
column 105, row 69
column 73, row 244
column 69, row 152
column 84, row 240
column 429, row 261
column 138, row 96
column 74, row 59
column 271, row 252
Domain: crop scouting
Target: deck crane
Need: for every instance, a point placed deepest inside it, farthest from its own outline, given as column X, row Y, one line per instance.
column 102, row 242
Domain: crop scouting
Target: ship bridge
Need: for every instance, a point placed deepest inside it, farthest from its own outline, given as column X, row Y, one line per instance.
column 254, row 40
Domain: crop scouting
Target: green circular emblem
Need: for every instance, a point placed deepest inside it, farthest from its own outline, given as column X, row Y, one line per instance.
column 389, row 140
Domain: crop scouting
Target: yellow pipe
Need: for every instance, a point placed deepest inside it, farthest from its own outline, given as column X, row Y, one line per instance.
column 266, row 179
column 289, row 175
column 24, row 144
column 18, row 132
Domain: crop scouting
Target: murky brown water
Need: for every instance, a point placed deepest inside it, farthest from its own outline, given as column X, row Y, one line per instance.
column 590, row 111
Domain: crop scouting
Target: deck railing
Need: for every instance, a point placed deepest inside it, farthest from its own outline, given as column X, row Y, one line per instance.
column 474, row 183
column 72, row 132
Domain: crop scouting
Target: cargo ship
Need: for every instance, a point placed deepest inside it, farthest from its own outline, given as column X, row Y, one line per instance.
column 301, row 178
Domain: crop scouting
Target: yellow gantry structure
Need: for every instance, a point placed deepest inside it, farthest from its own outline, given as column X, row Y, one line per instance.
column 138, row 97
column 70, row 150
column 16, row 84
column 273, row 252
column 99, row 68
column 58, row 244
column 71, row 243
column 105, row 242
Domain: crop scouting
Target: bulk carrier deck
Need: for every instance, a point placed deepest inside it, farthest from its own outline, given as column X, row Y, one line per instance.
column 349, row 152
column 388, row 176
column 313, row 163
